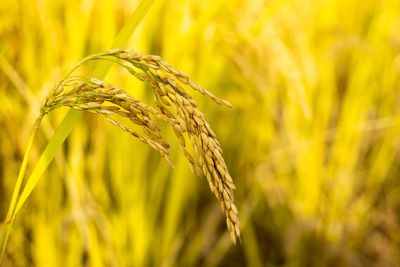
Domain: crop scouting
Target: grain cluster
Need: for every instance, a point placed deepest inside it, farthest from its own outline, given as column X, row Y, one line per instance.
column 173, row 105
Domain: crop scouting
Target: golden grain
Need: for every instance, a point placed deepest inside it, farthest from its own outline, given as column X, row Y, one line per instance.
column 174, row 106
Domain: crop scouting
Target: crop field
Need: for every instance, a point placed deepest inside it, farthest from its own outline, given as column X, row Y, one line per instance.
column 261, row 133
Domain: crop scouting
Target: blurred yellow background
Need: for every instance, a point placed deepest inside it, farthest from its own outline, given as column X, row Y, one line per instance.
column 312, row 141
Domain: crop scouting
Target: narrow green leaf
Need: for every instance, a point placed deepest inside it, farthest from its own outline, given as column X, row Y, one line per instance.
column 63, row 130
column 48, row 154
column 73, row 116
column 126, row 32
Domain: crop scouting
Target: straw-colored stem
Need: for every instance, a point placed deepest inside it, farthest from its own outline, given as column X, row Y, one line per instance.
column 11, row 211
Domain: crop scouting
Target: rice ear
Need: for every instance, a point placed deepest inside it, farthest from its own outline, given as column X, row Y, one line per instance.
column 174, row 105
